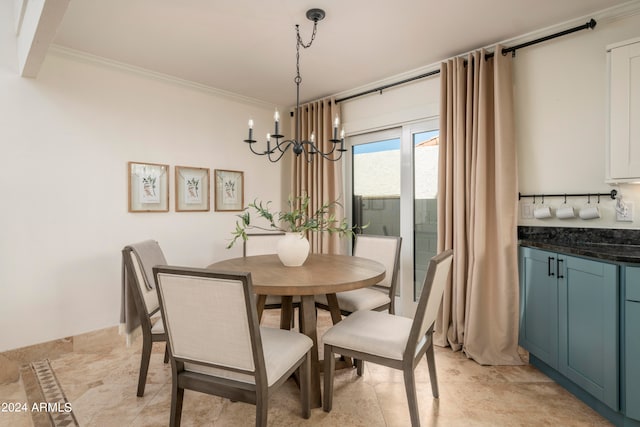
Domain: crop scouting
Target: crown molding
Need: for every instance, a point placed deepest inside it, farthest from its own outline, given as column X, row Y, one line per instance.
column 93, row 59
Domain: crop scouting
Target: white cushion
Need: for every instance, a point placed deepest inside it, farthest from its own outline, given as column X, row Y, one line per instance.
column 281, row 349
column 158, row 327
column 358, row 299
column 371, row 332
column 381, row 249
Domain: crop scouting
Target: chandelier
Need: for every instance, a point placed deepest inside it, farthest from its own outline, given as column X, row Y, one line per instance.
column 275, row 150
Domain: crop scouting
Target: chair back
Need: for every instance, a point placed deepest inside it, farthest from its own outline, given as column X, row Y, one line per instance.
column 210, row 318
column 431, row 297
column 146, row 299
column 260, row 243
column 385, row 250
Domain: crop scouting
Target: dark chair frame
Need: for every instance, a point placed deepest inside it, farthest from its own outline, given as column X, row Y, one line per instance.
column 257, row 394
column 148, row 337
column 410, row 359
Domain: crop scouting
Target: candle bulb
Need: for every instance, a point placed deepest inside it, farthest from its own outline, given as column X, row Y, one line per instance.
column 336, row 123
column 250, row 129
column 268, row 143
column 342, row 140
column 276, row 117
column 313, row 136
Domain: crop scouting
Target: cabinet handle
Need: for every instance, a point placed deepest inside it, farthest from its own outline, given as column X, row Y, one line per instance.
column 559, row 266
column 549, row 263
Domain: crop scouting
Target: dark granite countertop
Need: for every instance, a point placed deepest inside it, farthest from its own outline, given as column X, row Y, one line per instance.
column 613, row 245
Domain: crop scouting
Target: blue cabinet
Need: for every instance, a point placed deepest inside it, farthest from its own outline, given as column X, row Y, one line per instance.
column 539, row 304
column 588, row 326
column 569, row 319
column 632, row 343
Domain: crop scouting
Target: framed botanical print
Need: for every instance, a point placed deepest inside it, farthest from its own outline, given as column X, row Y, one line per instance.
column 192, row 189
column 148, row 187
column 229, row 190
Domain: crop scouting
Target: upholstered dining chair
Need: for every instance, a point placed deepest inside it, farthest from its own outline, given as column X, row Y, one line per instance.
column 381, row 296
column 216, row 345
column 141, row 287
column 393, row 341
column 265, row 244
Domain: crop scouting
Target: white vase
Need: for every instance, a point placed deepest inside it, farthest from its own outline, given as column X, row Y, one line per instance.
column 293, row 249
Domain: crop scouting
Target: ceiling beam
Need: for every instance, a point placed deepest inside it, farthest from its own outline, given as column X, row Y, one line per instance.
column 37, row 22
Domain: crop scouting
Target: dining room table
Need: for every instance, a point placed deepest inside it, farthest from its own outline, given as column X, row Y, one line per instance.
column 320, row 274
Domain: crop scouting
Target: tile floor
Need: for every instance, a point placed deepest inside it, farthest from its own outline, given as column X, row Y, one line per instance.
column 102, row 390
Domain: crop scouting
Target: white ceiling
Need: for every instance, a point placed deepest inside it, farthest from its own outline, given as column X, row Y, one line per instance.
column 248, row 46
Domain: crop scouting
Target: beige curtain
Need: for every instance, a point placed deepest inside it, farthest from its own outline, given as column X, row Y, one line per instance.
column 320, row 179
column 477, row 208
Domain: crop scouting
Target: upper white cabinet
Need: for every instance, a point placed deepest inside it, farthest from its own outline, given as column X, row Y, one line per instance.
column 624, row 112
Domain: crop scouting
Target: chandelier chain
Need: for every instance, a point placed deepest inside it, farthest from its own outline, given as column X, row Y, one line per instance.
column 299, row 42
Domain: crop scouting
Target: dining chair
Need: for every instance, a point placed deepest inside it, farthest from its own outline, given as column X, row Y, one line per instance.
column 393, row 341
column 216, row 345
column 266, row 244
column 381, row 296
column 145, row 298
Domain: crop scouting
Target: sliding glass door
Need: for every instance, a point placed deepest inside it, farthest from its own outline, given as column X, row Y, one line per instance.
column 392, row 175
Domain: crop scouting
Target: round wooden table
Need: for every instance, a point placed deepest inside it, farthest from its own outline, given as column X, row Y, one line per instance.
column 320, row 274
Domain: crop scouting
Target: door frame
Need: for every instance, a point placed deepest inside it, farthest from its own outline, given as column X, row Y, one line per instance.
column 405, row 305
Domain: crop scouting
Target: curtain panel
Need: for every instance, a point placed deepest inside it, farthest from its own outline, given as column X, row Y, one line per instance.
column 320, row 179
column 477, row 209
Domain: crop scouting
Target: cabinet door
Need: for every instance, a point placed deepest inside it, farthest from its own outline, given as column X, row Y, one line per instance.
column 624, row 151
column 632, row 342
column 539, row 304
column 632, row 359
column 588, row 326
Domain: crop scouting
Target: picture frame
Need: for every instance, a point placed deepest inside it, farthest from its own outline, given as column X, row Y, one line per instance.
column 192, row 189
column 148, row 187
column 229, row 190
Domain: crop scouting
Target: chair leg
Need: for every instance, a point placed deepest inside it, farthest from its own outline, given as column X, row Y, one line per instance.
column 433, row 377
column 410, row 387
column 305, row 385
column 329, row 368
column 144, row 364
column 262, row 408
column 166, row 353
column 286, row 313
column 177, row 396
column 359, row 366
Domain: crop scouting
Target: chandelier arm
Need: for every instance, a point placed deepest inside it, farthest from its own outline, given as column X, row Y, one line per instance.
column 256, row 152
column 286, row 143
column 279, row 155
column 325, row 155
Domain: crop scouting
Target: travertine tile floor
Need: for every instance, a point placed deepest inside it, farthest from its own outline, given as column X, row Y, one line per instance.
column 102, row 391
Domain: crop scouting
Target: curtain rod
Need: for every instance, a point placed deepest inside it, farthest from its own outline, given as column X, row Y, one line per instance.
column 611, row 194
column 588, row 26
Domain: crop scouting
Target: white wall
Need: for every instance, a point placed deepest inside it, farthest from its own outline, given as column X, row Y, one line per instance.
column 560, row 112
column 404, row 104
column 65, row 140
column 560, row 107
